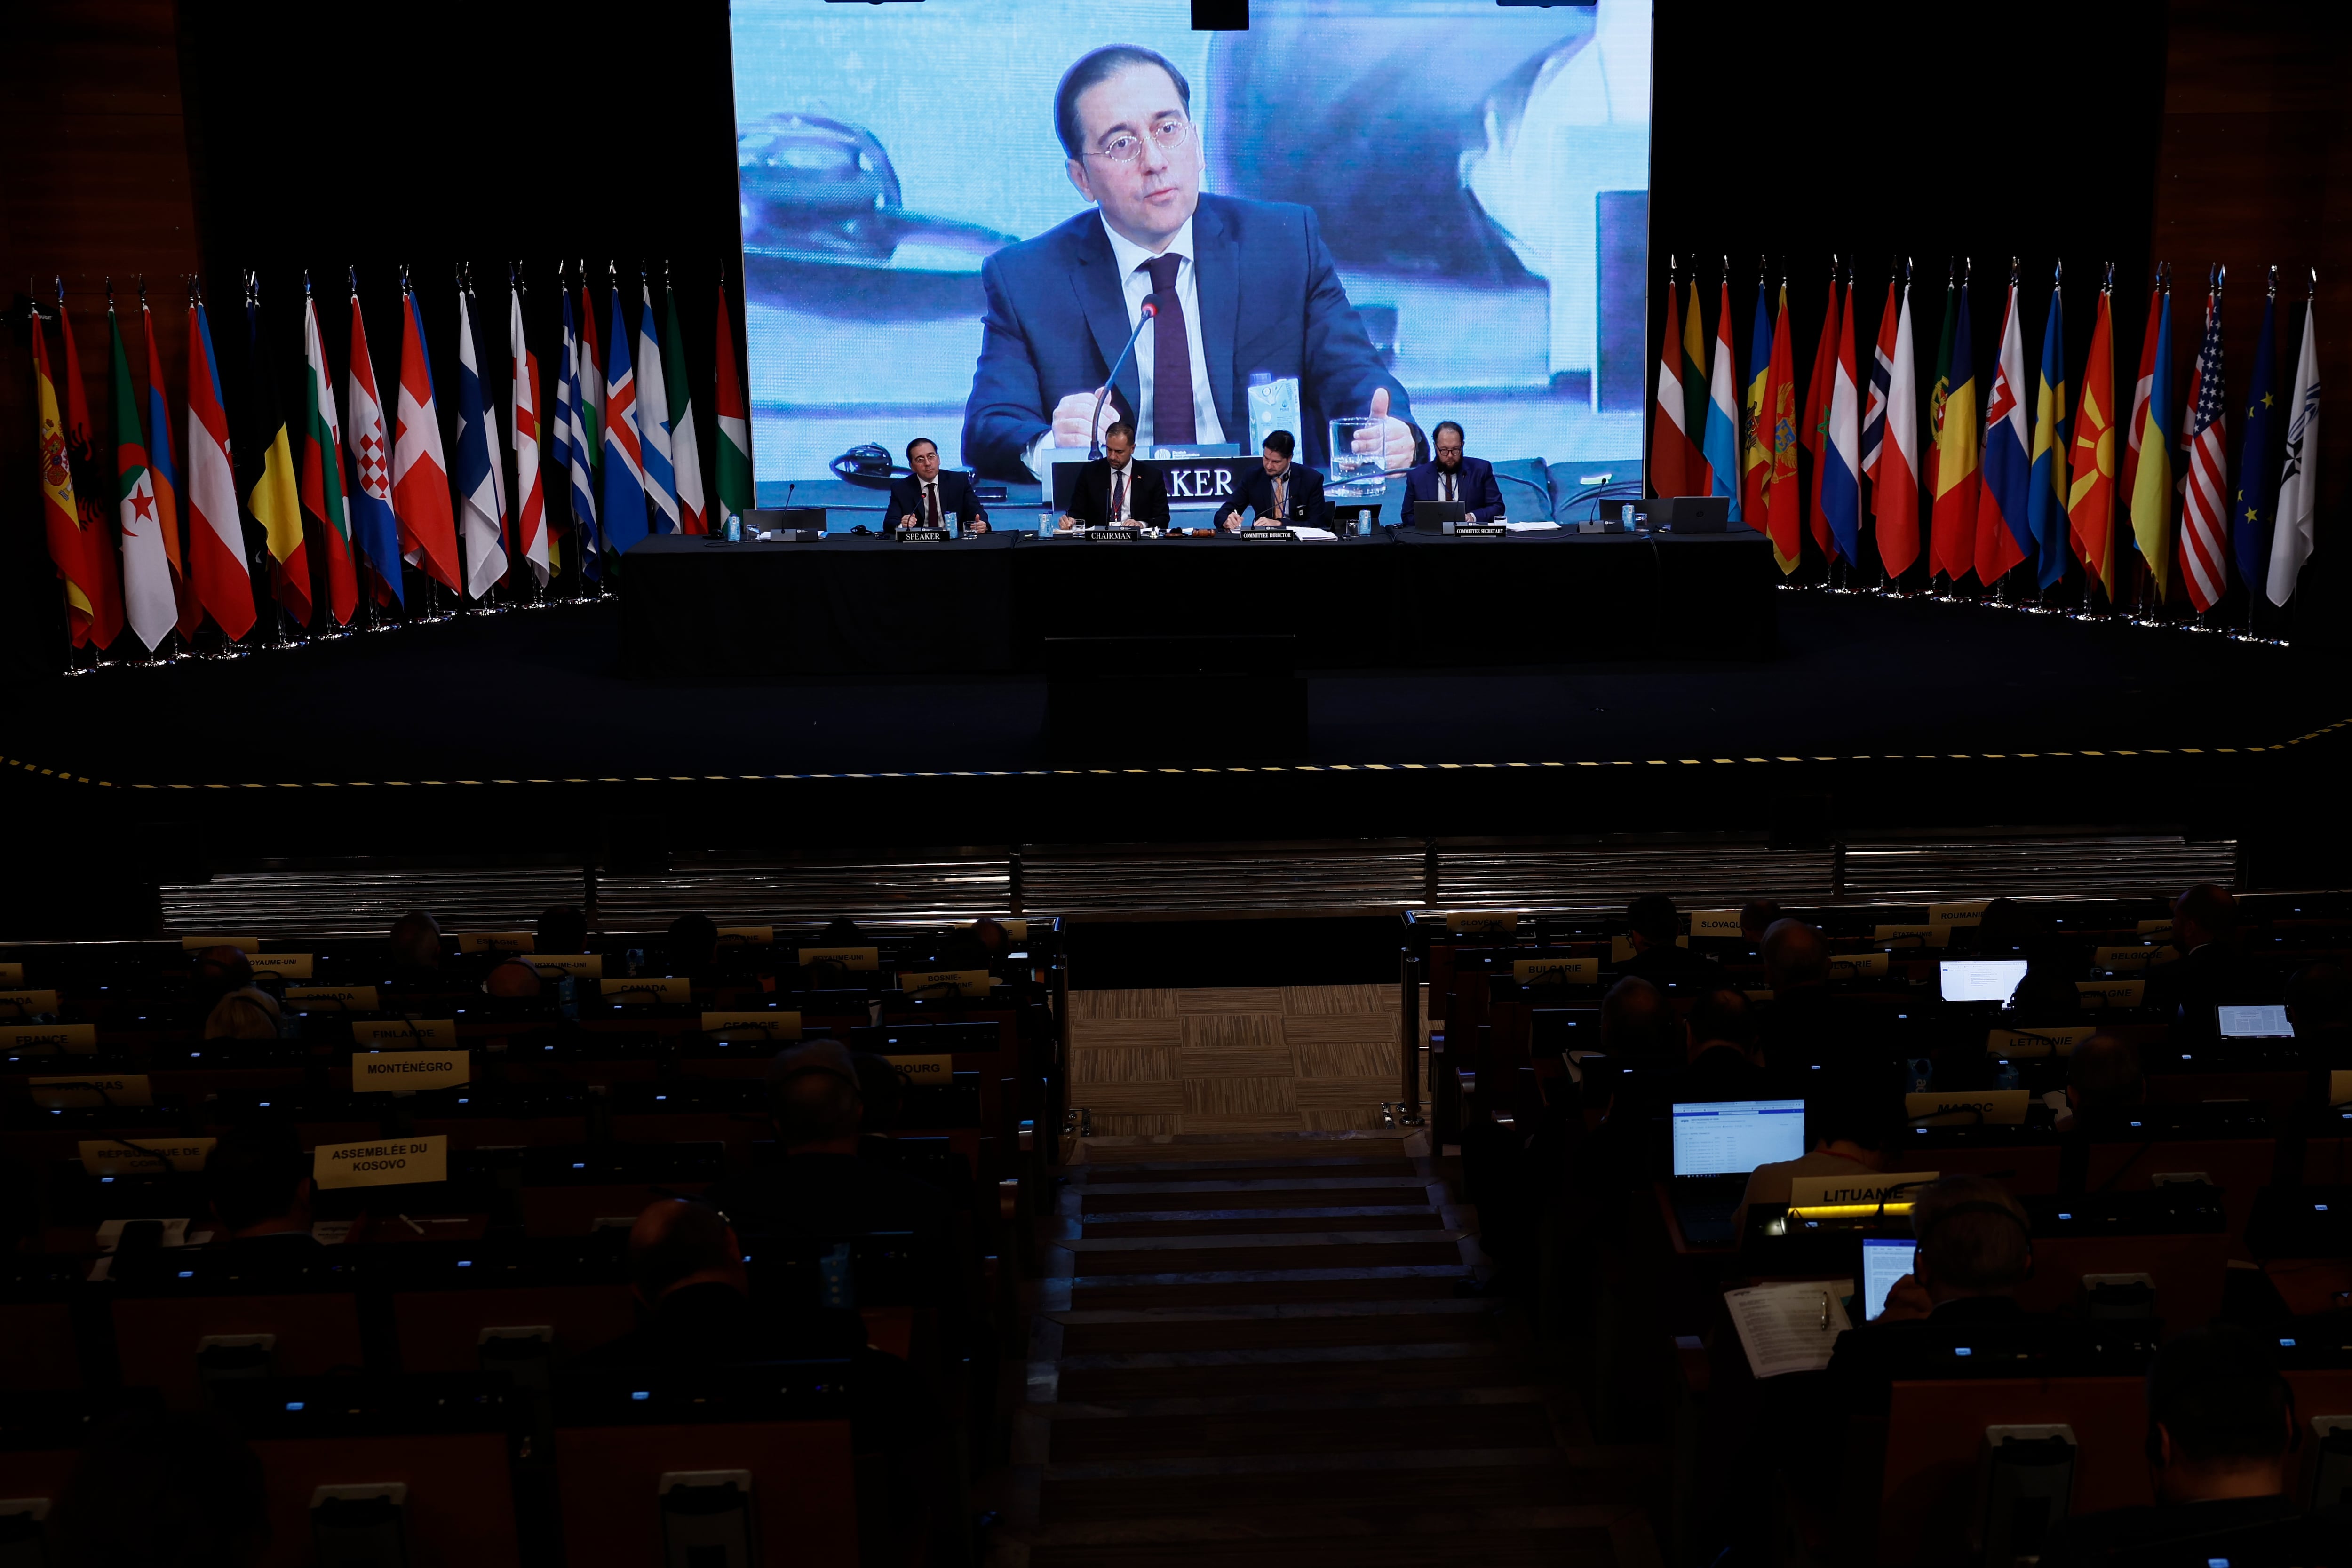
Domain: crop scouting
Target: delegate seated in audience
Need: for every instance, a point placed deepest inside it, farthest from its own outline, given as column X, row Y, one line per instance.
column 2221, row 1430
column 1656, row 957
column 1849, row 1133
column 843, row 931
column 1803, row 1023
column 247, row 1013
column 219, row 971
column 1756, row 918
column 979, row 945
column 257, row 1183
column 2209, row 971
column 2103, row 1076
column 415, row 944
column 512, row 981
column 156, row 1490
column 561, row 929
column 821, row 1188
column 694, row 1299
column 1724, row 1060
column 1643, row 1039
column 693, row 945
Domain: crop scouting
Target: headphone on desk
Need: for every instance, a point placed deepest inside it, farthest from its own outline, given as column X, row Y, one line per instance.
column 869, row 466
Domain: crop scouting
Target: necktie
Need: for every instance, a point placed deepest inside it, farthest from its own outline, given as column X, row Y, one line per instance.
column 1118, row 494
column 1172, row 356
column 1281, row 505
column 1448, row 494
column 931, row 503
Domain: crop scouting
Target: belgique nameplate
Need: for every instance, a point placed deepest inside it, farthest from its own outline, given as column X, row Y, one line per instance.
column 923, row 535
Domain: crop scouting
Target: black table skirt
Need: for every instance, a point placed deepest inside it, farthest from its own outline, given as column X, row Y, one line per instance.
column 843, row 606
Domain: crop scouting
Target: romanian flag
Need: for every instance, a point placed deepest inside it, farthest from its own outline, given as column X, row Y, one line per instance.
column 61, row 520
column 2152, row 487
column 2091, row 491
column 1813, row 429
column 275, row 496
column 2046, row 501
column 1955, row 479
column 735, row 429
column 1783, row 494
column 1671, row 455
column 1756, row 448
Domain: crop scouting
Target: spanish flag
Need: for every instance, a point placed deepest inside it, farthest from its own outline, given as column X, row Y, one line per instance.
column 68, row 548
column 1953, row 540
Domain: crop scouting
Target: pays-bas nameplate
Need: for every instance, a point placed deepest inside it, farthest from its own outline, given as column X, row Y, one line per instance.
column 924, row 1070
column 922, row 535
column 332, row 998
column 1995, row 1107
column 846, row 957
column 382, row 1162
column 112, row 1157
column 74, row 1091
column 1269, row 535
column 382, row 1072
column 1479, row 530
column 643, row 990
column 36, row 1038
column 424, row 1034
column 770, row 1026
column 1813, row 1192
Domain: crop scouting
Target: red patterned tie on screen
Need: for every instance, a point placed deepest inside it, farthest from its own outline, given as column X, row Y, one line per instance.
column 1118, row 494
column 1171, row 357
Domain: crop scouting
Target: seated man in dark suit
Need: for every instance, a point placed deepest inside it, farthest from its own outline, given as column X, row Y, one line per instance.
column 1115, row 489
column 2211, row 970
column 927, row 498
column 1280, row 493
column 258, row 1182
column 1236, row 287
column 2220, row 1441
column 1450, row 475
column 1724, row 1061
column 1657, row 957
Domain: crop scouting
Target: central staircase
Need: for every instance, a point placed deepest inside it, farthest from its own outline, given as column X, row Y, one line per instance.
column 1272, row 1351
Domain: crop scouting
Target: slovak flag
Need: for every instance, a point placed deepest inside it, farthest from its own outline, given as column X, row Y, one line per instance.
column 2004, row 536
column 420, row 475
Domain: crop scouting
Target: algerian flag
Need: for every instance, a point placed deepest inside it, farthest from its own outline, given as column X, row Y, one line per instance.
column 148, row 601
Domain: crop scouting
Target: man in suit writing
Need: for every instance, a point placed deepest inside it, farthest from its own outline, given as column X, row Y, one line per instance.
column 1115, row 489
column 1237, row 286
column 1450, row 475
column 927, row 498
column 1281, row 492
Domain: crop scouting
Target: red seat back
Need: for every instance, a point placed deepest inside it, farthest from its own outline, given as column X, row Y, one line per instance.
column 441, row 1331
column 804, row 1488
column 156, row 1337
column 460, row 1503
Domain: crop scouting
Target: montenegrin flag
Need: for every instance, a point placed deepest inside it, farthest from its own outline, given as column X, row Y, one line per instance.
column 216, row 556
column 1783, row 494
column 734, row 428
column 420, row 475
column 148, row 601
column 1813, row 429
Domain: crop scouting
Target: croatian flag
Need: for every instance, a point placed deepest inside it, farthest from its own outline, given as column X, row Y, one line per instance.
column 374, row 532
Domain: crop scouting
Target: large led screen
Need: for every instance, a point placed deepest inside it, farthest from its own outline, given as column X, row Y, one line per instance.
column 1414, row 210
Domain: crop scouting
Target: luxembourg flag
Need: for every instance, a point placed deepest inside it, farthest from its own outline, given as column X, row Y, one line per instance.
column 479, row 460
column 1721, row 445
column 375, row 532
column 530, row 501
column 625, row 473
column 653, row 421
column 420, row 475
column 2004, row 536
column 1841, row 453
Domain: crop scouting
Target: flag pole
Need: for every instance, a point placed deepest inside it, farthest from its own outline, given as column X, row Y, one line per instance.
column 2269, row 301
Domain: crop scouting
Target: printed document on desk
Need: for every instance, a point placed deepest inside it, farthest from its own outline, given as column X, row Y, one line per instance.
column 1789, row 1327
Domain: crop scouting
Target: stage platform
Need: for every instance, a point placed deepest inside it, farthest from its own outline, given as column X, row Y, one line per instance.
column 509, row 732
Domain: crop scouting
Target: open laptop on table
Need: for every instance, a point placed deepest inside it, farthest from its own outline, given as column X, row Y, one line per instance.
column 2268, row 1022
column 1716, row 1145
column 1432, row 516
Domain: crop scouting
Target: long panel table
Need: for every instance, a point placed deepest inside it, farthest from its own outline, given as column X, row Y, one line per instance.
column 695, row 608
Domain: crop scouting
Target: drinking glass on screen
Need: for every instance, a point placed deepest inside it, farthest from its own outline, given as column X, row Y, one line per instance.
column 1355, row 473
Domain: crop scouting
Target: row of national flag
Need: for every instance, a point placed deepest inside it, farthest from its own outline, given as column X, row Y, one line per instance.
column 324, row 514
column 1993, row 478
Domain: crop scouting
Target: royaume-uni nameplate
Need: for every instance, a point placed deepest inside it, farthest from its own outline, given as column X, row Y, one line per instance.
column 382, row 1162
column 421, row 1034
column 382, row 1072
column 280, row 965
column 768, row 1025
column 847, row 957
column 584, row 965
column 332, row 998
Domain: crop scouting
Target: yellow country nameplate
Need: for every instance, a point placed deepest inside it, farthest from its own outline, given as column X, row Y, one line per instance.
column 332, row 998
column 1483, row 923
column 11, row 974
column 586, row 966
column 379, row 1072
column 1913, row 935
column 1556, row 971
column 1716, row 923
column 75, row 1091
column 27, row 1003
column 1964, row 912
column 242, row 943
column 2112, row 993
column 847, row 957
column 1858, row 965
column 494, row 942
column 281, row 965
column 924, row 1070
column 2339, row 1086
column 961, row 981
column 2122, row 957
column 1017, row 930
column 1996, row 1107
column 649, row 988
column 773, row 1025
column 36, row 1038
column 382, row 1162
column 1811, row 1191
column 419, row 1034
column 2060, row 1041
column 2153, row 928
column 747, row 936
column 110, row 1157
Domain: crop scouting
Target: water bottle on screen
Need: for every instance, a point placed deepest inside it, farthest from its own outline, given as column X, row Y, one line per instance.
column 1273, row 405
column 1045, row 523
column 954, row 521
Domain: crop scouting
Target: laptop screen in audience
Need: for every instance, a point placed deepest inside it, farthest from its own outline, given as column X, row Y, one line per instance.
column 1732, row 1137
column 2254, row 1024
column 1884, row 1262
column 1981, row 979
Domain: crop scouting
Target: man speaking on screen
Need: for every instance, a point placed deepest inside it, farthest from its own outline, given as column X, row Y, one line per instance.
column 1237, row 288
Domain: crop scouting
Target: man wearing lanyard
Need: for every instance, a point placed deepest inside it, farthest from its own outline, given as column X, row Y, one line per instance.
column 1281, row 492
column 1115, row 489
column 927, row 498
column 1450, row 475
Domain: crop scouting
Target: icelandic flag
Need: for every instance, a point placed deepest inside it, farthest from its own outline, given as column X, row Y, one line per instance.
column 478, row 466
column 2046, row 505
column 653, row 421
column 572, row 448
column 374, row 530
column 1841, row 460
column 1721, row 446
column 2004, row 536
column 625, row 473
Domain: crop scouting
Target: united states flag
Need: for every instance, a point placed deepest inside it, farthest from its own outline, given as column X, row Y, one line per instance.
column 2205, row 517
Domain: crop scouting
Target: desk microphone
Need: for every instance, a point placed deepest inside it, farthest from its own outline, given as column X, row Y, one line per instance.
column 1094, row 420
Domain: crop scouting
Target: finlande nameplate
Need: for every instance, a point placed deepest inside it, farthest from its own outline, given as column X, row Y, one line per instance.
column 1274, row 535
column 922, row 535
column 1479, row 530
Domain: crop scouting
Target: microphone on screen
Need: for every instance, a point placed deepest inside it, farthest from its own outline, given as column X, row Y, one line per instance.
column 1094, row 421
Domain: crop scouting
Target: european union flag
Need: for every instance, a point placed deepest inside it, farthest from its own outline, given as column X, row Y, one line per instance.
column 2256, row 502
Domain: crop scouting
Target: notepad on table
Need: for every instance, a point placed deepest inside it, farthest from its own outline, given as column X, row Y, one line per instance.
column 1789, row 1327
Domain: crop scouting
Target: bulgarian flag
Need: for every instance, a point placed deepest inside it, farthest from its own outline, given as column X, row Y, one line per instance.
column 323, row 503
column 734, row 429
column 60, row 519
column 148, row 603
